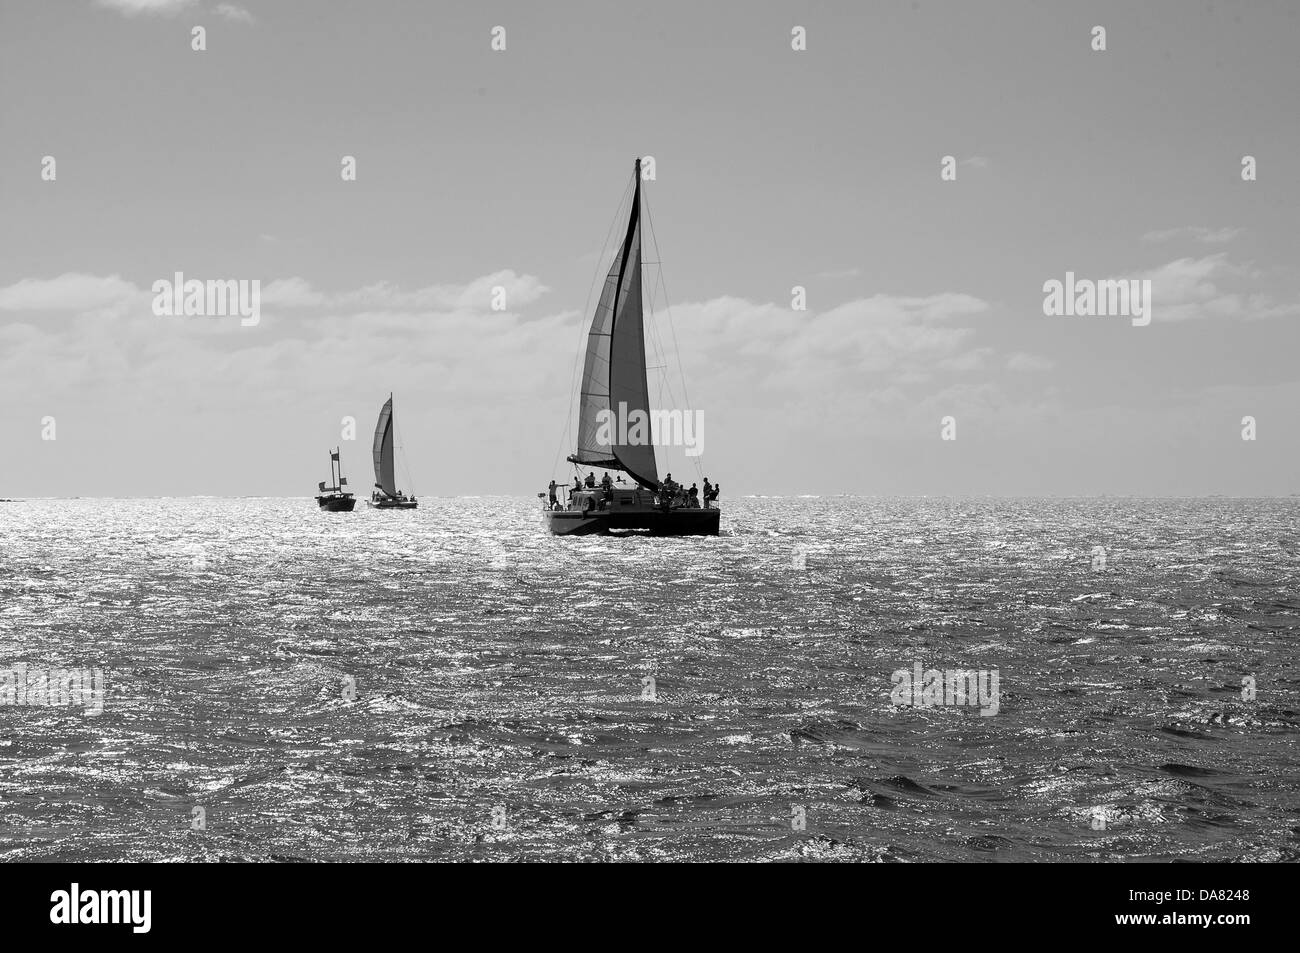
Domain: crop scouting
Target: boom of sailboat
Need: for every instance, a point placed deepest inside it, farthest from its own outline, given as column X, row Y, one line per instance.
column 614, row 382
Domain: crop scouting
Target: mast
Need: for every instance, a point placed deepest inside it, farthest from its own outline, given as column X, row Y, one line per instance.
column 336, row 460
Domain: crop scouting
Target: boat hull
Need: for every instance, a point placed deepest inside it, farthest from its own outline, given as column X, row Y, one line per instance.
column 336, row 504
column 651, row 522
column 392, row 504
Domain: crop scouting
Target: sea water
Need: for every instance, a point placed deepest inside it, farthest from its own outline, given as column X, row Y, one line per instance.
column 453, row 683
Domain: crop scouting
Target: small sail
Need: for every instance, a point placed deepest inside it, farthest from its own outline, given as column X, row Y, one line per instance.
column 614, row 387
column 383, row 450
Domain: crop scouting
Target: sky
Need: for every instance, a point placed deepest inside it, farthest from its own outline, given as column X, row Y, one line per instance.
column 479, row 169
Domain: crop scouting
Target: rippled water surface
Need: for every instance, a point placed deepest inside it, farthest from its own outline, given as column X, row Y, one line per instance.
column 499, row 676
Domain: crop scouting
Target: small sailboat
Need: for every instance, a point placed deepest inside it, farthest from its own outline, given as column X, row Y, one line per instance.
column 385, row 495
column 334, row 498
column 614, row 383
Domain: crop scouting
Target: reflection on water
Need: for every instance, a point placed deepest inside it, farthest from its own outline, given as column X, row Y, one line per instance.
column 452, row 683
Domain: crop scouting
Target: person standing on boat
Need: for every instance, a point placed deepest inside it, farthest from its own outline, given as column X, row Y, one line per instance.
column 708, row 492
column 694, row 497
column 716, row 490
column 555, row 502
column 591, row 481
column 606, row 483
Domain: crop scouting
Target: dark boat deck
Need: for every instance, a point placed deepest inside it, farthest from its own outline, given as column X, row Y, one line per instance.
column 628, row 511
column 343, row 503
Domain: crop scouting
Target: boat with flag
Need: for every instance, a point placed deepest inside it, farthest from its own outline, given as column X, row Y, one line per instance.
column 616, row 425
column 333, row 498
column 385, row 495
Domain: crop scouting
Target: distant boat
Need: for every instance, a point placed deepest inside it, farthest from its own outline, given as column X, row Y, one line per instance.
column 614, row 381
column 334, row 498
column 385, row 495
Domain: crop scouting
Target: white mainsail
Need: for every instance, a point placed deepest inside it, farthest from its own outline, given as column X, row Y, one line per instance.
column 383, row 450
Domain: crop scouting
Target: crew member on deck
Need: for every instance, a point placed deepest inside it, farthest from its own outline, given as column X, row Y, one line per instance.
column 708, row 492
column 554, row 500
column 591, row 481
column 606, row 483
column 694, row 496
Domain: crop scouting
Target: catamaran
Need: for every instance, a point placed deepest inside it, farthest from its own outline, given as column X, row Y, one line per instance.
column 385, row 495
column 614, row 386
column 334, row 498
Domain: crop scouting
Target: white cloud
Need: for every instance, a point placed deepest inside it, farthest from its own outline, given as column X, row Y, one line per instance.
column 291, row 293
column 477, row 295
column 971, row 360
column 437, row 340
column 841, row 359
column 1207, row 236
column 1020, row 361
column 228, row 11
column 1187, row 289
column 133, row 8
column 870, row 366
column 82, row 294
column 71, row 291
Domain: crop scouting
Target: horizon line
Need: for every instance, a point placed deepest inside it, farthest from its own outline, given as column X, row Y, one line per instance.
column 745, row 496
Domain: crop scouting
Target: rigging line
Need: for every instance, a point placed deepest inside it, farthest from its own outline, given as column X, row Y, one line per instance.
column 401, row 453
column 656, row 341
column 661, row 353
column 672, row 327
column 580, row 351
column 668, row 308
